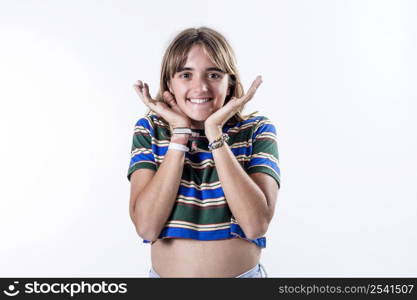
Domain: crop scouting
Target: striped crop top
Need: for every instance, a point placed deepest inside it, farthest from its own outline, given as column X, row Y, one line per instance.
column 200, row 211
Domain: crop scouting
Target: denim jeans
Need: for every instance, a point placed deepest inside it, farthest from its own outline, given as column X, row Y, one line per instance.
column 257, row 271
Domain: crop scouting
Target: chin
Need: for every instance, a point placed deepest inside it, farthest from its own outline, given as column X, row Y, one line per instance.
column 199, row 119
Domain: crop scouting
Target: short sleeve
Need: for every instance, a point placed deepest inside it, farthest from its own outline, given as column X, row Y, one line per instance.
column 264, row 157
column 141, row 152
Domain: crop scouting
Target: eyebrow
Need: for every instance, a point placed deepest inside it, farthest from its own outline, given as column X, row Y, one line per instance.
column 208, row 69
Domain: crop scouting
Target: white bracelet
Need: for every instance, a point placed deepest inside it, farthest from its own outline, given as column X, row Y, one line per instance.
column 178, row 147
column 182, row 130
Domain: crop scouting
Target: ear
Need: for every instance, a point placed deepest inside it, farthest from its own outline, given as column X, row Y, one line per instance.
column 228, row 91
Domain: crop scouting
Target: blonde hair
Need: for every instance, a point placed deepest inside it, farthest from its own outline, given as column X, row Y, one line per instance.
column 219, row 52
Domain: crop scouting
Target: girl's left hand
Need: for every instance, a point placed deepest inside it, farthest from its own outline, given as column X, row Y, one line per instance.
column 214, row 124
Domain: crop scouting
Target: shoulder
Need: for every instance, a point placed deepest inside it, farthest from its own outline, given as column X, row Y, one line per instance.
column 265, row 122
column 262, row 125
column 255, row 122
column 151, row 123
column 146, row 122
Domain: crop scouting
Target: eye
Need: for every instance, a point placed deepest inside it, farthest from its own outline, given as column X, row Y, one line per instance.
column 214, row 76
column 185, row 75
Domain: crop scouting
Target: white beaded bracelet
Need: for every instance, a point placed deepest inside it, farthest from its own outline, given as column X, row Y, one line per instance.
column 178, row 147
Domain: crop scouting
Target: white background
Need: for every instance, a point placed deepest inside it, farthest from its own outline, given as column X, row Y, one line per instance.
column 339, row 84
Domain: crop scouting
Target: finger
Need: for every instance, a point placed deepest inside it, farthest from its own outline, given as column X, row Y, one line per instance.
column 231, row 107
column 146, row 93
column 236, row 104
column 255, row 84
column 138, row 90
column 170, row 100
column 252, row 90
column 143, row 91
column 138, row 86
column 150, row 101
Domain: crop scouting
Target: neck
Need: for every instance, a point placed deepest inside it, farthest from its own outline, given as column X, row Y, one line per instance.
column 197, row 125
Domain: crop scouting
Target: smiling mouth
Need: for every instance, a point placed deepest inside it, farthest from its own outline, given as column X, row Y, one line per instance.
column 199, row 100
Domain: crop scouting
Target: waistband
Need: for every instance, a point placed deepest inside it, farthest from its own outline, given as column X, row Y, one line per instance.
column 257, row 271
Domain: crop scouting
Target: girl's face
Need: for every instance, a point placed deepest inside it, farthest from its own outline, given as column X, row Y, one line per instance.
column 199, row 87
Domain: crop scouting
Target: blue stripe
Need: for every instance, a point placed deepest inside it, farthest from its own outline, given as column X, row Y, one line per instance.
column 172, row 232
column 264, row 128
column 145, row 123
column 198, row 157
column 263, row 161
column 235, row 228
column 244, row 150
column 202, row 195
column 142, row 157
column 240, row 124
column 159, row 150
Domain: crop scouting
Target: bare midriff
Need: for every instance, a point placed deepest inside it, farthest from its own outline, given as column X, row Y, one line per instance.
column 175, row 257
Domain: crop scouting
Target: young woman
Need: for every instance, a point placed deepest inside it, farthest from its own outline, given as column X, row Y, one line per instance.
column 204, row 178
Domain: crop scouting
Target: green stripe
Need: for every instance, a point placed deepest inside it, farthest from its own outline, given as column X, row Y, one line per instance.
column 201, row 216
column 140, row 165
column 266, row 170
column 141, row 141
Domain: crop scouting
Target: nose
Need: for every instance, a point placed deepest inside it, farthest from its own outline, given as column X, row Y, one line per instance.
column 200, row 84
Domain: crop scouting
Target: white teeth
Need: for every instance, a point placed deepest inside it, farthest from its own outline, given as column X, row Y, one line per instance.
column 198, row 101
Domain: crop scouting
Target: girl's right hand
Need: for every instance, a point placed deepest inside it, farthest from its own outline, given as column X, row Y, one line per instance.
column 172, row 113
